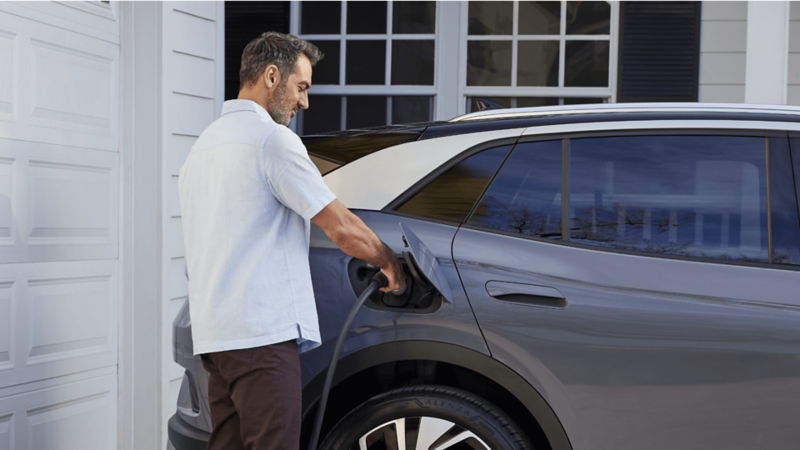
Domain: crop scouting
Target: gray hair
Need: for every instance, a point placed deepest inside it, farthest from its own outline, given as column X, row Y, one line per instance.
column 275, row 48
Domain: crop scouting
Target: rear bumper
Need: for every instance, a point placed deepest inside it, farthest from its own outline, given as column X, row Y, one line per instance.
column 183, row 436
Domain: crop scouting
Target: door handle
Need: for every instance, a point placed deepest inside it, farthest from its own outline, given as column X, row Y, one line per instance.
column 527, row 294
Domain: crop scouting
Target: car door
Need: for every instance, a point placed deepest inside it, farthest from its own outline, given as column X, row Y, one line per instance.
column 662, row 313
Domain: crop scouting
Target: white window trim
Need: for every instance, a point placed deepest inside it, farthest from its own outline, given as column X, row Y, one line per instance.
column 386, row 89
column 528, row 91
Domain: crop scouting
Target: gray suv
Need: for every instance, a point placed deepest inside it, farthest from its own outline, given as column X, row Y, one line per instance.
column 618, row 277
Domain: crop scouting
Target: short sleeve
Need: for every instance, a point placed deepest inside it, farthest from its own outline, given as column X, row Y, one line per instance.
column 294, row 180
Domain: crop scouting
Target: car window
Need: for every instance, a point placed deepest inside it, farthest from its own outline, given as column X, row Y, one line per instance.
column 702, row 196
column 452, row 194
column 525, row 197
column 783, row 201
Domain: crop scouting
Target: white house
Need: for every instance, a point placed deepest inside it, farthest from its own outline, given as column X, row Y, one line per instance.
column 100, row 102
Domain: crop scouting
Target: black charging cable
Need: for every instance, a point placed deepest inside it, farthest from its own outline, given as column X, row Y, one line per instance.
column 379, row 280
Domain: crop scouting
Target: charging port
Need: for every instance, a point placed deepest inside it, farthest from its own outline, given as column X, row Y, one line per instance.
column 420, row 297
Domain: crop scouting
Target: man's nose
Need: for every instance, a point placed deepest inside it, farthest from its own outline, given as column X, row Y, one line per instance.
column 303, row 100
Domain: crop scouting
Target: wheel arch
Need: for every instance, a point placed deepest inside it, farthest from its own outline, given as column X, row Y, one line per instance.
column 360, row 371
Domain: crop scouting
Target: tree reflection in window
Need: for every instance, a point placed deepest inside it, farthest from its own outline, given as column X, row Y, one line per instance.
column 700, row 196
column 525, row 197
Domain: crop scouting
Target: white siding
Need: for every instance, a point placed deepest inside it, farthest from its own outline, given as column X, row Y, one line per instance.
column 793, row 94
column 59, row 225
column 723, row 36
column 192, row 99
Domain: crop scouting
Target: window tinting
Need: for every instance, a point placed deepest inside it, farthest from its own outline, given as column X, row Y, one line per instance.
column 537, row 64
column 586, row 64
column 320, row 17
column 783, row 204
column 492, row 17
column 365, row 62
column 411, row 108
column 488, row 63
column 366, row 111
column 412, row 62
column 366, row 17
column 702, row 196
column 539, row 17
column 452, row 195
column 324, row 114
column 525, row 197
column 327, row 69
column 591, row 17
column 414, row 17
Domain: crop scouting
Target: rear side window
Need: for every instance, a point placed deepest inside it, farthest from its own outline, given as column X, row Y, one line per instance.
column 451, row 195
column 702, row 196
column 693, row 196
column 525, row 197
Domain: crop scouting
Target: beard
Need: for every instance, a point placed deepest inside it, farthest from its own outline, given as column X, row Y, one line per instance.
column 280, row 109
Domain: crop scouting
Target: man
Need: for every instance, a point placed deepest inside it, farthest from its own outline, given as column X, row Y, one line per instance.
column 248, row 191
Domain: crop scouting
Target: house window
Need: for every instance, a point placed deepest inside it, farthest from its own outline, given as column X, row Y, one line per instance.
column 531, row 53
column 378, row 67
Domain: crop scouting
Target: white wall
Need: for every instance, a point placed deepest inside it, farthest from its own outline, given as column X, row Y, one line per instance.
column 59, row 217
column 723, row 41
column 193, row 93
column 793, row 94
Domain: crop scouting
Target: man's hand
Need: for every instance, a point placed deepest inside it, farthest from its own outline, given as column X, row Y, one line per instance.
column 353, row 237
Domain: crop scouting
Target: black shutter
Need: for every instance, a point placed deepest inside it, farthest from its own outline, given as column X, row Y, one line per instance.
column 659, row 52
column 244, row 21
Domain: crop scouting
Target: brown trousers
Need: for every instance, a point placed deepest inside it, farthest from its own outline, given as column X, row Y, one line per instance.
column 255, row 398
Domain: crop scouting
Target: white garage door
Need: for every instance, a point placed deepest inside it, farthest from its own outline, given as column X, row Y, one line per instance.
column 59, row 213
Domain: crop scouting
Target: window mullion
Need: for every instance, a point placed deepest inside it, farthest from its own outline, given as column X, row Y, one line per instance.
column 514, row 32
column 562, row 45
column 343, row 47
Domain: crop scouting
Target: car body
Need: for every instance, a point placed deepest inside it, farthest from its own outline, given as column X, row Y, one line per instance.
column 663, row 313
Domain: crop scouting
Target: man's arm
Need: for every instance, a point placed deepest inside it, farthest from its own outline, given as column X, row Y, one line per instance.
column 353, row 237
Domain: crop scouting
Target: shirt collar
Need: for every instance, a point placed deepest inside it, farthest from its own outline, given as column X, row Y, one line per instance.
column 237, row 105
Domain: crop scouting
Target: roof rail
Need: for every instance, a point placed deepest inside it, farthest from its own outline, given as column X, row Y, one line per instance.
column 625, row 107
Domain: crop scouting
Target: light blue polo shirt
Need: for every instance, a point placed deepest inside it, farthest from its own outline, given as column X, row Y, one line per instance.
column 248, row 191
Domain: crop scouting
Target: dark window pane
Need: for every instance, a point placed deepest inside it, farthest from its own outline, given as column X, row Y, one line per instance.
column 366, row 111
column 327, row 69
column 323, row 114
column 414, row 17
column 525, row 197
column 701, row 196
column 473, row 106
column 320, row 17
column 486, row 18
column 783, row 204
column 582, row 101
column 452, row 195
column 539, row 17
column 586, row 64
column 366, row 17
column 588, row 17
column 489, row 63
column 412, row 62
column 538, row 63
column 365, row 62
column 411, row 108
column 525, row 102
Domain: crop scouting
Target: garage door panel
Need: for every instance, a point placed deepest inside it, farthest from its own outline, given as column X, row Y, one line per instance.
column 74, row 416
column 63, row 85
column 7, row 67
column 70, row 89
column 65, row 315
column 64, row 201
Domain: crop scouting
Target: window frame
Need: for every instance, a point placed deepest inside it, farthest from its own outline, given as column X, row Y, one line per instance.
column 609, row 93
column 386, row 89
column 764, row 134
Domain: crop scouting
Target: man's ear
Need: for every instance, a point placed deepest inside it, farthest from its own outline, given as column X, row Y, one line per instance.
column 272, row 76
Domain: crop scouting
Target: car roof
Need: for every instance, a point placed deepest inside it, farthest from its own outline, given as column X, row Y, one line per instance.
column 345, row 146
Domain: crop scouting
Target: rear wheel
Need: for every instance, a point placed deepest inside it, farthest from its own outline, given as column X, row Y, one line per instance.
column 426, row 418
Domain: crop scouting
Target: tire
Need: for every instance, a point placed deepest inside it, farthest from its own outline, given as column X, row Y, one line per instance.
column 433, row 417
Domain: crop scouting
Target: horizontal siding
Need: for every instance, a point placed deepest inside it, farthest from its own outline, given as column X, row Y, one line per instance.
column 723, row 43
column 793, row 89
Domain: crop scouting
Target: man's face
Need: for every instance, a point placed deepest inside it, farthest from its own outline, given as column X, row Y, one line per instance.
column 291, row 94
